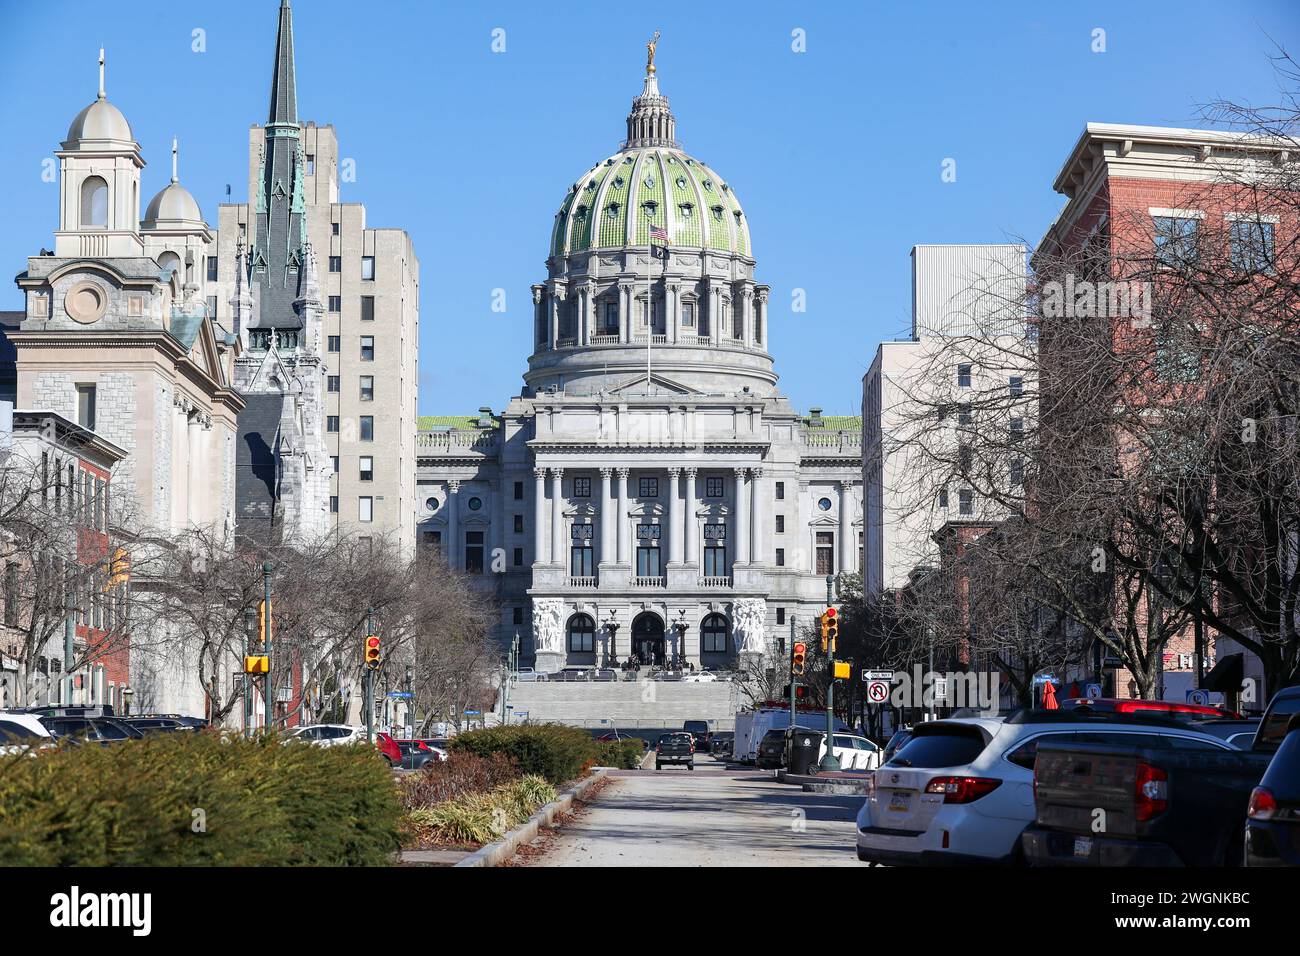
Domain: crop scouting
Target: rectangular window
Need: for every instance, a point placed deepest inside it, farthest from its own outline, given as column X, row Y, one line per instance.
column 1252, row 245
column 334, row 504
column 780, row 615
column 474, row 552
column 519, row 557
column 715, row 550
column 365, row 508
column 336, row 303
column 965, row 458
column 367, row 427
column 334, row 463
column 647, row 551
column 519, row 491
column 212, row 306
column 943, row 497
column 331, row 383
column 780, row 524
column 517, row 615
column 963, row 376
column 212, row 268
column 334, row 343
column 1017, row 386
column 1175, row 240
column 780, row 557
column 311, row 164
column 367, row 308
column 964, row 414
column 780, row 491
column 688, row 314
column 336, row 263
column 611, row 319
column 11, row 594
column 366, row 468
column 367, row 267
column 1017, row 429
column 582, row 487
column 519, row 524
column 714, row 488
column 331, row 423
column 431, row 541
column 648, row 487
column 965, row 502
column 367, row 348
column 825, row 552
column 367, row 388
column 86, row 406
column 581, row 561
column 1017, row 472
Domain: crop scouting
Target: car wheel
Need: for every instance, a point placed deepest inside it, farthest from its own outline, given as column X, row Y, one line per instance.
column 690, row 766
column 659, row 766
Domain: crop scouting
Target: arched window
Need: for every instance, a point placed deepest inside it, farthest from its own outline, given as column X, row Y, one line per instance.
column 582, row 634
column 94, row 202
column 169, row 260
column 713, row 635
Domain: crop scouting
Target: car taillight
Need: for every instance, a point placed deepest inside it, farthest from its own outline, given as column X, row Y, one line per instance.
column 1263, row 805
column 1151, row 792
column 962, row 789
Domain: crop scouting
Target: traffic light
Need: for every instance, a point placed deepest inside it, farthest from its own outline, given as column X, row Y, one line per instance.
column 372, row 652
column 798, row 658
column 800, row 692
column 830, row 628
column 264, row 621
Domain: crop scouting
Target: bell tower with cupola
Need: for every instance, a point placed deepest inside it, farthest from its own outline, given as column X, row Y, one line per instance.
column 99, row 172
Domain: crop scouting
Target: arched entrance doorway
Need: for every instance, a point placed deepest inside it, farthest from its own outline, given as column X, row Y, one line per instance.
column 648, row 638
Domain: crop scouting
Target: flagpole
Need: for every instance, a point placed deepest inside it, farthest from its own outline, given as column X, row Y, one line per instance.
column 649, row 308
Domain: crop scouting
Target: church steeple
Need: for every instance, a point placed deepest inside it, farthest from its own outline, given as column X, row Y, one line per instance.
column 279, row 252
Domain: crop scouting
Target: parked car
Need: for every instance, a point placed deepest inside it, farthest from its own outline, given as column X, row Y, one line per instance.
column 155, row 725
column 388, row 749
column 1273, row 814
column 699, row 677
column 1164, row 708
column 417, row 753
column 675, row 748
column 21, row 732
column 328, row 735
column 189, row 723
column 1237, row 731
column 102, row 730
column 853, row 752
column 751, row 725
column 900, row 737
column 1185, row 805
column 960, row 790
column 771, row 750
column 722, row 743
column 699, row 729
column 528, row 675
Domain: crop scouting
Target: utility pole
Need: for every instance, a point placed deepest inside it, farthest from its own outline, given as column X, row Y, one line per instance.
column 246, row 705
column 830, row 761
column 267, row 568
column 370, row 682
column 793, row 679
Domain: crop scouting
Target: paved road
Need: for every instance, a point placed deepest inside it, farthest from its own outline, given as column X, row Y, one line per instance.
column 707, row 817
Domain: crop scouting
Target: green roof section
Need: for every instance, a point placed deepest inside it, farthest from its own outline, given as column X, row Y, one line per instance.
column 427, row 423
column 649, row 189
column 845, row 423
column 686, row 206
column 184, row 328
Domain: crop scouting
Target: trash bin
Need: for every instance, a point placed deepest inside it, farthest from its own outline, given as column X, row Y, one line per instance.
column 803, row 747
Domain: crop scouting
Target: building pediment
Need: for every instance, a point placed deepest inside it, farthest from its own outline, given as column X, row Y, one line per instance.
column 637, row 384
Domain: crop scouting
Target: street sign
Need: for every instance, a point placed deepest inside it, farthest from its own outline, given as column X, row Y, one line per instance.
column 1093, row 692
column 401, row 694
column 877, row 675
column 1040, row 679
column 877, row 691
column 473, row 713
column 1198, row 696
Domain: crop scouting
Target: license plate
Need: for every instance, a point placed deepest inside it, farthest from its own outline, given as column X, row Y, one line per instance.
column 900, row 801
column 1083, row 847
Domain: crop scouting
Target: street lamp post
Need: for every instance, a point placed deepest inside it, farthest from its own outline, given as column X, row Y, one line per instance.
column 369, row 694
column 269, row 686
column 830, row 761
column 681, row 627
column 611, row 625
column 246, row 705
column 410, row 702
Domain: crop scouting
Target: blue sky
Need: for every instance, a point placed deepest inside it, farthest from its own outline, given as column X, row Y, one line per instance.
column 835, row 152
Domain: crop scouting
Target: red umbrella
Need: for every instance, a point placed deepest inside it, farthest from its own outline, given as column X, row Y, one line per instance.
column 1049, row 697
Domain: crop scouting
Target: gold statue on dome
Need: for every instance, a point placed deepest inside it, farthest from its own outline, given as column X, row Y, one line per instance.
column 650, row 53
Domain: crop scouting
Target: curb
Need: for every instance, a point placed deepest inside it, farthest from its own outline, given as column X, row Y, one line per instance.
column 494, row 854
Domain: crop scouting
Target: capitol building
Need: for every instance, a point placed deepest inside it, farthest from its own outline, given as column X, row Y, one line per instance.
column 650, row 491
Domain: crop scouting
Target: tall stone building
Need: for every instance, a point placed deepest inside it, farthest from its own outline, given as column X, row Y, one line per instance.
column 650, row 492
column 328, row 311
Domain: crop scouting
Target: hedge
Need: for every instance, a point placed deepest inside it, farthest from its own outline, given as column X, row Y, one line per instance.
column 625, row 753
column 198, row 800
column 558, row 753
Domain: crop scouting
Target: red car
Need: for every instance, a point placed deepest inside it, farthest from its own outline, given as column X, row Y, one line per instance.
column 1114, row 705
column 388, row 748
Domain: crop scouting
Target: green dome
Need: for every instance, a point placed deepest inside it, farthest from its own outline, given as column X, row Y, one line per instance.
column 650, row 182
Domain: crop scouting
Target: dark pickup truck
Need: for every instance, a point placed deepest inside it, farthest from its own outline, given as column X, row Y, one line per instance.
column 1163, row 802
column 675, row 748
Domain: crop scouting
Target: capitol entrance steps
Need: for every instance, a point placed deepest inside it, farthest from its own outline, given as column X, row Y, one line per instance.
column 628, row 704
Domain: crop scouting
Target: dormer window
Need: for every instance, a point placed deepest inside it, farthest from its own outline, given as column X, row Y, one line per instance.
column 618, row 182
column 651, row 207
column 612, row 210
column 591, row 185
column 708, row 185
column 649, row 182
column 686, row 210
column 681, row 182
column 581, row 214
column 717, row 213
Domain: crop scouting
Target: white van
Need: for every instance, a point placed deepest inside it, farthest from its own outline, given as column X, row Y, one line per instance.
column 751, row 725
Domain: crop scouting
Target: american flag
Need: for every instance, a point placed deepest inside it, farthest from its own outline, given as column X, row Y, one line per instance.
column 658, row 232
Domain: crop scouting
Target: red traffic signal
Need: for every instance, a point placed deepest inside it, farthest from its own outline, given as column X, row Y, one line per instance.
column 372, row 652
column 830, row 628
column 799, row 657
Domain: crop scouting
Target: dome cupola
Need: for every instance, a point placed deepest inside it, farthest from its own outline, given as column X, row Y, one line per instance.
column 173, row 207
column 99, row 125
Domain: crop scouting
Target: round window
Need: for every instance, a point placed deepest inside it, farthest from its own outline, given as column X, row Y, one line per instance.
column 824, row 504
column 475, row 504
column 431, row 504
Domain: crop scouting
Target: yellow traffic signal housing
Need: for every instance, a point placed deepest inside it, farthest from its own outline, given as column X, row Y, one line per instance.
column 373, row 653
column 264, row 621
column 830, row 627
column 798, row 658
column 257, row 664
column 842, row 670
column 825, row 629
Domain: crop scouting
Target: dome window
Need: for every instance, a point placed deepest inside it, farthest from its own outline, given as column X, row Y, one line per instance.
column 591, row 185
column 708, row 185
column 737, row 215
column 686, row 210
column 681, row 182
column 649, row 182
column 618, row 182
column 726, row 188
column 717, row 213
column 612, row 210
column 651, row 207
column 627, row 159
column 672, row 160
column 581, row 214
column 610, row 161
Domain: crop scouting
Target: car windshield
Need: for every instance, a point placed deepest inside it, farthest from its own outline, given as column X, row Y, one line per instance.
column 1273, row 729
column 948, row 748
column 12, row 733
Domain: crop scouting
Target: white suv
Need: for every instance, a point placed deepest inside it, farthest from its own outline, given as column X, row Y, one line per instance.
column 961, row 790
column 853, row 752
column 329, row 735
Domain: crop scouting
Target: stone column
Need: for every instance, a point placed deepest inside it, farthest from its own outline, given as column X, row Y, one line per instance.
column 847, row 545
column 692, row 526
column 674, row 517
column 608, row 524
column 756, row 555
column 715, row 313
column 672, row 318
column 541, row 553
column 453, row 530
column 746, row 305
column 741, row 555
column 624, row 533
column 553, row 320
column 625, row 313
column 557, row 516
column 193, row 431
